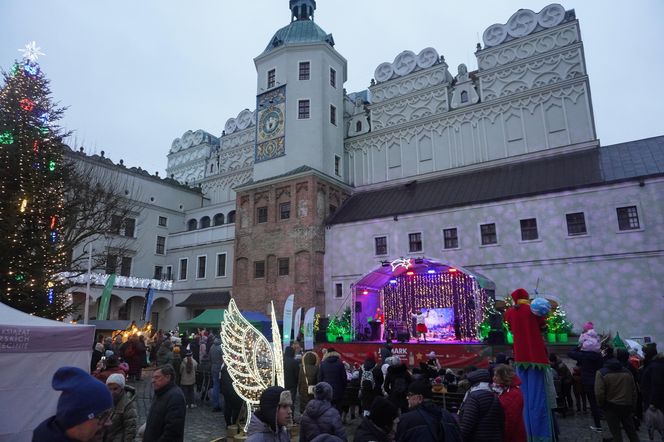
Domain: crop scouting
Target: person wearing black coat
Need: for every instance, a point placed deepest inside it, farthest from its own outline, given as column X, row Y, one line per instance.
column 396, row 384
column 422, row 422
column 232, row 402
column 320, row 416
column 589, row 362
column 652, row 383
column 379, row 425
column 333, row 372
column 291, row 371
column 481, row 417
column 165, row 421
column 370, row 392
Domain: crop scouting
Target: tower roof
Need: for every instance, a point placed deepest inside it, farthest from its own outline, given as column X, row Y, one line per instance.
column 299, row 32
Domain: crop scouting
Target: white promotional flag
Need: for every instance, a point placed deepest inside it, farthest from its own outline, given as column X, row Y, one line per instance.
column 309, row 329
column 288, row 320
column 298, row 322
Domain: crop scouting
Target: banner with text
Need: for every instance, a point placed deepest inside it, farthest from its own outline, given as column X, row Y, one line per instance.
column 298, row 323
column 309, row 329
column 288, row 320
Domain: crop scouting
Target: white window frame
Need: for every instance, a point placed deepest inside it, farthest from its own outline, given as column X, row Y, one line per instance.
column 198, row 257
column 341, row 165
column 387, row 244
column 171, row 272
column 162, row 270
column 156, row 239
column 479, row 234
column 585, row 219
column 336, row 77
column 639, row 212
column 186, row 260
column 524, row 241
column 335, row 113
column 267, row 78
column 408, row 242
column 162, row 225
column 297, row 109
column 216, row 267
column 442, row 232
column 334, row 290
column 298, row 69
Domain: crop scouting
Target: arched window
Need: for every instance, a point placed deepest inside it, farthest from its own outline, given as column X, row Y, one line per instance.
column 205, row 222
column 218, row 219
column 464, row 96
column 231, row 217
column 358, row 126
column 192, row 224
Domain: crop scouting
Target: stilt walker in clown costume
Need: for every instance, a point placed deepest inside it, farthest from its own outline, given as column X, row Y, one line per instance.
column 532, row 364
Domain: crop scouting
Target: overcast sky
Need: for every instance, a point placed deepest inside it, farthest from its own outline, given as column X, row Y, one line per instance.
column 136, row 74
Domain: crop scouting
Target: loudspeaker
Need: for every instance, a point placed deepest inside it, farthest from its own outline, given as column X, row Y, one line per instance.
column 403, row 336
column 496, row 337
column 358, row 307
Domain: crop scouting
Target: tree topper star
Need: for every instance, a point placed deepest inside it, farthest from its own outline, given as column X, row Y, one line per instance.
column 31, row 51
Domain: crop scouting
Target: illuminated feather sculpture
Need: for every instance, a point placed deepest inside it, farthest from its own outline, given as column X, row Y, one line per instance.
column 253, row 363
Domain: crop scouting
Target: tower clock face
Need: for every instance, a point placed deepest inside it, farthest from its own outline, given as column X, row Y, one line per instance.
column 271, row 123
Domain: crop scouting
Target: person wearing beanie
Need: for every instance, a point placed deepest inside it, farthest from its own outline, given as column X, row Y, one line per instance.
column 589, row 339
column 275, row 411
column 165, row 421
column 320, row 416
column 291, row 371
column 111, row 366
column 83, row 410
column 506, row 384
column 379, row 425
column 215, row 368
column 589, row 361
column 124, row 416
column 332, row 371
column 481, row 417
column 423, row 420
column 308, row 377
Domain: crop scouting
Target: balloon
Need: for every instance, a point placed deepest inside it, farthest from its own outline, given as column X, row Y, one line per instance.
column 540, row 306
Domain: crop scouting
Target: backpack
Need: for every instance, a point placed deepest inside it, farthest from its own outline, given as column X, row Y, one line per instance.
column 367, row 381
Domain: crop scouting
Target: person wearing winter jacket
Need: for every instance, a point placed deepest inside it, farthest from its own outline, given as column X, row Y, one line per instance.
column 615, row 391
column 112, row 366
column 652, row 383
column 333, row 372
column 481, row 417
column 396, row 383
column 380, row 425
column 165, row 420
column 320, row 416
column 216, row 360
column 124, row 416
column 371, row 382
column 188, row 378
column 165, row 354
column 268, row 423
column 422, row 422
column 506, row 384
column 308, row 377
column 589, row 361
column 291, row 371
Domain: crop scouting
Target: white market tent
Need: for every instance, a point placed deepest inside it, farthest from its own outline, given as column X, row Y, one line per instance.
column 31, row 350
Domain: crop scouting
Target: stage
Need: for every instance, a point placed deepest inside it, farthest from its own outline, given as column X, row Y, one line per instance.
column 450, row 354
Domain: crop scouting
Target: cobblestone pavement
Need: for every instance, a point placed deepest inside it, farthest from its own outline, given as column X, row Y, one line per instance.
column 202, row 425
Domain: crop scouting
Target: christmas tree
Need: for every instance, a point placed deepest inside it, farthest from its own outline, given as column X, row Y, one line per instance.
column 557, row 321
column 32, row 192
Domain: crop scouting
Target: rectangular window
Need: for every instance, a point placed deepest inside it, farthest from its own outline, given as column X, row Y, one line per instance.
column 628, row 218
column 305, row 70
column 271, row 78
column 303, row 109
column 116, row 224
column 414, row 242
column 158, row 272
column 125, row 266
column 337, row 165
column 123, row 227
column 129, row 227
column 284, row 210
column 259, row 269
column 488, row 232
column 576, row 224
column 284, row 266
column 183, row 269
column 450, row 238
column 261, row 214
column 380, row 245
column 338, row 290
column 169, row 273
column 161, row 245
column 333, row 114
column 163, row 221
column 202, row 265
column 221, row 265
column 111, row 264
column 333, row 78
column 529, row 229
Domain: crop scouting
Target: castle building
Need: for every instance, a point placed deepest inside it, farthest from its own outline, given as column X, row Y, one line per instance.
column 498, row 171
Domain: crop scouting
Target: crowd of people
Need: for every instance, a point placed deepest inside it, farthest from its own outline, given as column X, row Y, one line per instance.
column 393, row 401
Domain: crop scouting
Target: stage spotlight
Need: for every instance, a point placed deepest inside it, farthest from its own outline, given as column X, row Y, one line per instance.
column 365, row 292
column 431, row 271
column 410, row 273
column 393, row 281
column 452, row 270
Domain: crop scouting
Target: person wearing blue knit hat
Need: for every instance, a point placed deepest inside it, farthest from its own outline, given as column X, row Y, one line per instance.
column 83, row 408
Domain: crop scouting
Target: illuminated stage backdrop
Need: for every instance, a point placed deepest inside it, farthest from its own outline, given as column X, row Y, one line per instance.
column 408, row 293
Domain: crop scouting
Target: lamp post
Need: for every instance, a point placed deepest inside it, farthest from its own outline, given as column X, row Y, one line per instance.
column 87, row 285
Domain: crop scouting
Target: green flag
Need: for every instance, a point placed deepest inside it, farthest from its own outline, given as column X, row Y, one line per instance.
column 617, row 342
column 105, row 299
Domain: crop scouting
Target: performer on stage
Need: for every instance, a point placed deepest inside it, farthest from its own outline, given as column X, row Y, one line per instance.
column 421, row 326
column 532, row 365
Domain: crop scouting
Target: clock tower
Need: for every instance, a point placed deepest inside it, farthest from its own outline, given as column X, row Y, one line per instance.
column 298, row 175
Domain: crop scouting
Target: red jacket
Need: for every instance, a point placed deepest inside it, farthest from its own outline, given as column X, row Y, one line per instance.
column 511, row 400
column 526, row 328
